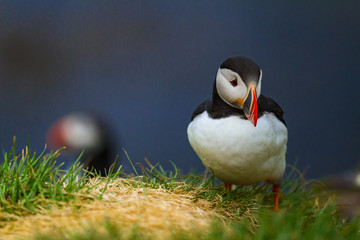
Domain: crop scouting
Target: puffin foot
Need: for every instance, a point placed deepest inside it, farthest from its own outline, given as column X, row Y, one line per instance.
column 227, row 186
column 276, row 191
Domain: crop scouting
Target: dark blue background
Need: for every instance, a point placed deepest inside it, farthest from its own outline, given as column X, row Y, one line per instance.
column 146, row 65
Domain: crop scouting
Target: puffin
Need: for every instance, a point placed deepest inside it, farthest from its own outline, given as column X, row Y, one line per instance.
column 346, row 188
column 87, row 133
column 240, row 135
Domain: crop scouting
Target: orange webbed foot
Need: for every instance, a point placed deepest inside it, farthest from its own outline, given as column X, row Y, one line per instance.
column 227, row 186
column 276, row 191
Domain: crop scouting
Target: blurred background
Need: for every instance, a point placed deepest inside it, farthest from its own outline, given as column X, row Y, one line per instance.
column 144, row 66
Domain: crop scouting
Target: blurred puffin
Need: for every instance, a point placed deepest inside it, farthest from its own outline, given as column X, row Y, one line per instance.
column 240, row 135
column 346, row 189
column 84, row 132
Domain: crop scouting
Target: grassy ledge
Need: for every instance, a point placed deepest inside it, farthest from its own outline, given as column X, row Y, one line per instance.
column 39, row 201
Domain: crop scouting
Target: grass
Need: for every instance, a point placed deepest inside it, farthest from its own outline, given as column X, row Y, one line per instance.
column 40, row 201
column 31, row 182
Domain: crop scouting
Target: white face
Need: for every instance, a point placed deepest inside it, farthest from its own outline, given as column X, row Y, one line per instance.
column 231, row 87
column 81, row 132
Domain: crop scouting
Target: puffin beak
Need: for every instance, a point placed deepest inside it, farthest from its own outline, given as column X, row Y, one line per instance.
column 250, row 105
column 55, row 136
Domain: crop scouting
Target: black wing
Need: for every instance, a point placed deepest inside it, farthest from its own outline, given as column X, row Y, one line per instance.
column 266, row 104
column 201, row 108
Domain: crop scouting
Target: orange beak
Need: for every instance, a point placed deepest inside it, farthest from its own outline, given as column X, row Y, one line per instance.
column 250, row 105
column 55, row 137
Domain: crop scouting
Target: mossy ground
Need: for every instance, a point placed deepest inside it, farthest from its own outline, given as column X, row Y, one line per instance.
column 39, row 201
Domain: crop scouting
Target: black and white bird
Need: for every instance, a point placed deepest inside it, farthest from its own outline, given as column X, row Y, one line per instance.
column 240, row 135
column 84, row 132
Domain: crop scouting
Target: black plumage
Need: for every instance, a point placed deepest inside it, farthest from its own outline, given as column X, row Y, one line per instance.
column 218, row 108
column 102, row 158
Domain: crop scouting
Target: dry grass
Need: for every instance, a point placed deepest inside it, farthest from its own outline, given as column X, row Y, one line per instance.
column 137, row 209
column 157, row 212
column 38, row 201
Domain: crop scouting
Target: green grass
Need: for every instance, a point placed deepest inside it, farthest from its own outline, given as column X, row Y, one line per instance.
column 32, row 182
column 273, row 226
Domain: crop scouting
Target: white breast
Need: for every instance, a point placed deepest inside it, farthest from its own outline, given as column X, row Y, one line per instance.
column 236, row 151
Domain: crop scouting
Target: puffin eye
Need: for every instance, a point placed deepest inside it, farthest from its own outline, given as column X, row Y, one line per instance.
column 234, row 82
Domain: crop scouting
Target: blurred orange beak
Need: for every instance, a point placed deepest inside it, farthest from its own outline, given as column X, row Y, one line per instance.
column 250, row 107
column 55, row 137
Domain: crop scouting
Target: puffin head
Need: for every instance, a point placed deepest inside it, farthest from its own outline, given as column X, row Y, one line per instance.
column 238, row 83
column 76, row 132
